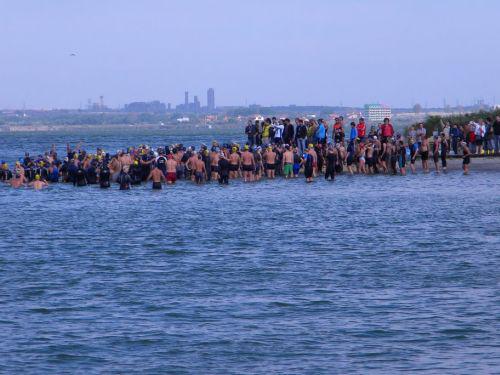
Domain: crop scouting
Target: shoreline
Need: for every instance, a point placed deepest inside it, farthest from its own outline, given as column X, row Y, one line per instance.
column 478, row 162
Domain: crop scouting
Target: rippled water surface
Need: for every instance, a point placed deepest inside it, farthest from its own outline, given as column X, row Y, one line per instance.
column 367, row 274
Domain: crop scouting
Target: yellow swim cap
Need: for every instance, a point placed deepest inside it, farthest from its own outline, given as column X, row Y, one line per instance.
column 136, row 162
column 37, row 177
column 311, row 145
column 234, row 149
column 246, row 147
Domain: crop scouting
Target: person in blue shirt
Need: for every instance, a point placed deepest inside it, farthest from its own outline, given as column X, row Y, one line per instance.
column 455, row 135
column 354, row 132
column 321, row 132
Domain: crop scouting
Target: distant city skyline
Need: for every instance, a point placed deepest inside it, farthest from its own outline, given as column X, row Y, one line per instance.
column 321, row 52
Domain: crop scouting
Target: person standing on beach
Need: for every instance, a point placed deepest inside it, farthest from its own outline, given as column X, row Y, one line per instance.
column 496, row 134
column 301, row 135
column 250, row 132
column 361, row 128
column 421, row 134
column 266, row 129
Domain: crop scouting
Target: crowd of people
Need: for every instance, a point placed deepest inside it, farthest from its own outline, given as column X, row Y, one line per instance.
column 273, row 148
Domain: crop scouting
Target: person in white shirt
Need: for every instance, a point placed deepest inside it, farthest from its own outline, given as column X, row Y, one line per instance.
column 278, row 132
column 480, row 132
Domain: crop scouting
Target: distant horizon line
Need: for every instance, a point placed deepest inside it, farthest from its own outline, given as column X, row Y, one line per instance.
column 251, row 106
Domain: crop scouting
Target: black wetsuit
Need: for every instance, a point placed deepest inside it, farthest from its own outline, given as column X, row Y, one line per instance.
column 91, row 175
column 80, row 179
column 320, row 159
column 5, row 175
column 223, row 171
column 136, row 174
column 161, row 163
column 72, row 173
column 331, row 160
column 145, row 168
column 206, row 160
column 104, row 177
column 124, row 180
column 308, row 166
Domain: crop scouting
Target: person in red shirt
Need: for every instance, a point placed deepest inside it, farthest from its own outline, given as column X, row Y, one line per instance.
column 387, row 129
column 361, row 128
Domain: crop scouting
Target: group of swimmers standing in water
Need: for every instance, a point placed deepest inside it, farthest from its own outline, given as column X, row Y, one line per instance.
column 274, row 148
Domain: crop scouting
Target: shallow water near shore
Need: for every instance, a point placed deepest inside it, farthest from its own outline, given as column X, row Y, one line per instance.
column 366, row 274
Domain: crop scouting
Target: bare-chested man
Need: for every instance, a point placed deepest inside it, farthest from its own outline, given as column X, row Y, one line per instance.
column 288, row 162
column 214, row 163
column 18, row 180
column 191, row 165
column 369, row 157
column 157, row 176
column 178, row 156
column 200, row 170
column 38, row 183
column 247, row 164
column 270, row 158
column 114, row 166
column 125, row 159
column 171, row 169
column 234, row 163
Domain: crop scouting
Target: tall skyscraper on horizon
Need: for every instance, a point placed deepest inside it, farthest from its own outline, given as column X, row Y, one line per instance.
column 186, row 98
column 211, row 99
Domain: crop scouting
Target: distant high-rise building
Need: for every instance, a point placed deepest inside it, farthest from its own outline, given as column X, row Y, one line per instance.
column 101, row 102
column 186, row 98
column 211, row 99
column 169, row 107
column 196, row 104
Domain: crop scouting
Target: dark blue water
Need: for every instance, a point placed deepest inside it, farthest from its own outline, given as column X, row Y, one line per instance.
column 371, row 274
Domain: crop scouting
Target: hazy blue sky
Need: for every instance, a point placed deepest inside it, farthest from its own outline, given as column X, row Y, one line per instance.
column 269, row 52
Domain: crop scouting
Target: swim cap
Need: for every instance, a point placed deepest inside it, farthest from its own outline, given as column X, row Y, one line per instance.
column 311, row 145
column 246, row 147
column 37, row 177
column 136, row 162
column 234, row 149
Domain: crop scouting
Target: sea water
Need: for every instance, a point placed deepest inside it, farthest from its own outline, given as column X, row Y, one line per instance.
column 376, row 274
